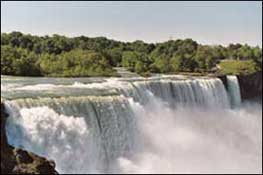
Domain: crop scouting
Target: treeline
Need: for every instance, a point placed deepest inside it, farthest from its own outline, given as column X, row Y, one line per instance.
column 27, row 55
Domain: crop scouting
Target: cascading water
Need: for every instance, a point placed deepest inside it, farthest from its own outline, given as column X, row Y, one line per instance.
column 233, row 91
column 155, row 125
column 95, row 129
column 199, row 92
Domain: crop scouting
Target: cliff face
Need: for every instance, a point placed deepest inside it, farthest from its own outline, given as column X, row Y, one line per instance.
column 223, row 79
column 250, row 85
column 18, row 161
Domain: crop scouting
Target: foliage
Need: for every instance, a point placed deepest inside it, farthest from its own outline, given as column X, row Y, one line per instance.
column 27, row 55
column 238, row 67
column 18, row 61
column 76, row 63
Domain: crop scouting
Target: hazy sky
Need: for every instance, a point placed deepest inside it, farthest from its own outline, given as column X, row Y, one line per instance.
column 205, row 22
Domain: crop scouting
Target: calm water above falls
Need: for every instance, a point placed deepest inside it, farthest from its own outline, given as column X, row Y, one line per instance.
column 165, row 124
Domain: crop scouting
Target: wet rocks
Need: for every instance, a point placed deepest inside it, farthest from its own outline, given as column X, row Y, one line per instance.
column 19, row 161
column 250, row 85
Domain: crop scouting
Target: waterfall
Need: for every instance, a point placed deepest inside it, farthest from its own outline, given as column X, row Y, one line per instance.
column 233, row 91
column 97, row 129
column 198, row 92
column 103, row 133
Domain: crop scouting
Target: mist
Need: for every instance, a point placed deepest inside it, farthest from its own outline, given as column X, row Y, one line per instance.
column 198, row 140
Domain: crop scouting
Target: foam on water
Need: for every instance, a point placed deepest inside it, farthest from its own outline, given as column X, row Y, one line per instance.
column 91, row 129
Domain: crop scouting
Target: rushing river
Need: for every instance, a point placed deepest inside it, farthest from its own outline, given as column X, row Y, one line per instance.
column 165, row 124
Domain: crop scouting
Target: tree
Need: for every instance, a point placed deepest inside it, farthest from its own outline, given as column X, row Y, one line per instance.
column 114, row 56
column 129, row 59
column 58, row 55
column 18, row 61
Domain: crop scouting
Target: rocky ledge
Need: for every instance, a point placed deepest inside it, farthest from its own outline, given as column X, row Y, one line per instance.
column 19, row 161
column 250, row 85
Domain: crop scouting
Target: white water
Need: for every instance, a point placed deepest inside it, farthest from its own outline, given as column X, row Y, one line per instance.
column 94, row 130
column 158, row 126
column 198, row 141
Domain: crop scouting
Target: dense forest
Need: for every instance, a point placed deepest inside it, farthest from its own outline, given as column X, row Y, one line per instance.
column 27, row 55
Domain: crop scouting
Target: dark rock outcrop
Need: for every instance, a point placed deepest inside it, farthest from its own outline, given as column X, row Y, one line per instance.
column 18, row 161
column 250, row 85
column 223, row 79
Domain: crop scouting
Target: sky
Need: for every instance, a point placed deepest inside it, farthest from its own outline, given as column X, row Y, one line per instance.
column 206, row 22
